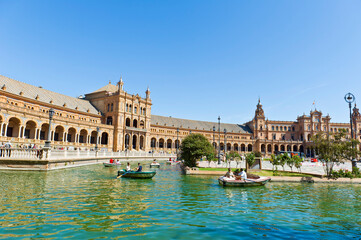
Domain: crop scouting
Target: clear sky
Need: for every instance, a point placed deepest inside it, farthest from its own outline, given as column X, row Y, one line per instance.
column 200, row 59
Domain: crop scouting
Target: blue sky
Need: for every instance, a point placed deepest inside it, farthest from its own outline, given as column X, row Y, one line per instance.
column 200, row 59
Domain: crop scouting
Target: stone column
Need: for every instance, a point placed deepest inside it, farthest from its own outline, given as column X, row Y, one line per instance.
column 1, row 130
column 6, row 130
column 24, row 131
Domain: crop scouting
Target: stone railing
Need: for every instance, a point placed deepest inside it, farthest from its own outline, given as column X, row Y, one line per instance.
column 20, row 153
column 30, row 153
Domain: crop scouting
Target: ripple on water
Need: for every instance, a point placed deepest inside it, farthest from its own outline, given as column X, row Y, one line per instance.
column 89, row 203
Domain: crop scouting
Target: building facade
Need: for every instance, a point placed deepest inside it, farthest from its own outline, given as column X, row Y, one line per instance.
column 114, row 120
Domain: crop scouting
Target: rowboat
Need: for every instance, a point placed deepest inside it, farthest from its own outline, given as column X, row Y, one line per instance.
column 154, row 165
column 133, row 174
column 243, row 183
column 111, row 164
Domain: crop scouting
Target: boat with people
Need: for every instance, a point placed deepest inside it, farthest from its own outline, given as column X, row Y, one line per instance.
column 134, row 174
column 112, row 163
column 155, row 165
column 232, row 182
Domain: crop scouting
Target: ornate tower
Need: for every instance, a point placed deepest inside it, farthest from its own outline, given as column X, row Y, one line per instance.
column 259, row 122
column 147, row 93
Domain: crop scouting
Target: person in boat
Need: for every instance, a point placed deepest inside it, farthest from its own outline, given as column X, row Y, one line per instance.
column 242, row 175
column 229, row 174
column 139, row 168
column 111, row 160
column 154, row 161
column 118, row 161
column 128, row 169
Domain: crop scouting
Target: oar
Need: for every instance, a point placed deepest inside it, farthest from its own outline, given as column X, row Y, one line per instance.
column 122, row 175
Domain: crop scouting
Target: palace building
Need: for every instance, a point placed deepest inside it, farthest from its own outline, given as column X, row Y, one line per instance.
column 114, row 120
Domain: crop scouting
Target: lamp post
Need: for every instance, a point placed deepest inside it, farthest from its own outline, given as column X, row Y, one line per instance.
column 225, row 142
column 219, row 140
column 177, row 143
column 48, row 141
column 350, row 98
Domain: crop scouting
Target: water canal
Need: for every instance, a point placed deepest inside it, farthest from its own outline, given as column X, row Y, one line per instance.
column 89, row 203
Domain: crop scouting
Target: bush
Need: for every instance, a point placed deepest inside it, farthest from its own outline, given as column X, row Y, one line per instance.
column 258, row 154
column 193, row 147
column 346, row 174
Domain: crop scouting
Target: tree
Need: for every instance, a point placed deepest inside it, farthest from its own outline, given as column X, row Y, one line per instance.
column 290, row 162
column 297, row 160
column 283, row 160
column 232, row 155
column 334, row 149
column 193, row 147
column 275, row 160
column 212, row 157
column 250, row 159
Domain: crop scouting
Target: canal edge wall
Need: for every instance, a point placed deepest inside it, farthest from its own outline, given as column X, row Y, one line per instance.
column 55, row 164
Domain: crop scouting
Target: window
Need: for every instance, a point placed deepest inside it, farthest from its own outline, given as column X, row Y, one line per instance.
column 135, row 110
column 274, row 136
column 111, row 107
column 273, row 128
column 108, row 107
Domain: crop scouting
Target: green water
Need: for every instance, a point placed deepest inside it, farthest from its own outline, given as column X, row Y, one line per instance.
column 89, row 203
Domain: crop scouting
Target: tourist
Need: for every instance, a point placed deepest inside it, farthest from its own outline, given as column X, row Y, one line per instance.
column 229, row 174
column 111, row 160
column 139, row 168
column 154, row 161
column 128, row 169
column 243, row 175
column 118, row 161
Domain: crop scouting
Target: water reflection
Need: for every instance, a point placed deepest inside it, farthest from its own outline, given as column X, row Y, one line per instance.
column 88, row 202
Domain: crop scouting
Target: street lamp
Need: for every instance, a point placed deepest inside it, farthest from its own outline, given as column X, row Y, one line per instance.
column 177, row 144
column 350, row 98
column 96, row 140
column 47, row 142
column 219, row 140
column 225, row 142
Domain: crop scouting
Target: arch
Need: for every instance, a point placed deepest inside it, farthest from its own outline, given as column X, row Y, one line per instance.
column 215, row 145
column 126, row 140
column 177, row 145
column 30, row 130
column 71, row 134
column 169, row 143
column 295, row 148
column 110, row 120
column 104, row 139
column 235, row 147
column 93, row 137
column 44, row 131
column 13, row 129
column 59, row 133
column 229, row 147
column 127, row 122
column 301, row 148
column 161, row 143
column 263, row 148
column 276, row 148
column 289, row 148
column 141, row 142
column 243, row 147
column 249, row 147
column 153, row 143
column 309, row 137
column 134, row 142
column 135, row 123
column 282, row 148
column 83, row 136
column 222, row 146
column 141, row 124
column 269, row 148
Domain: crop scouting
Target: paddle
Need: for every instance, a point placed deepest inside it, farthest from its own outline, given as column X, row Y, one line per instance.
column 122, row 174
